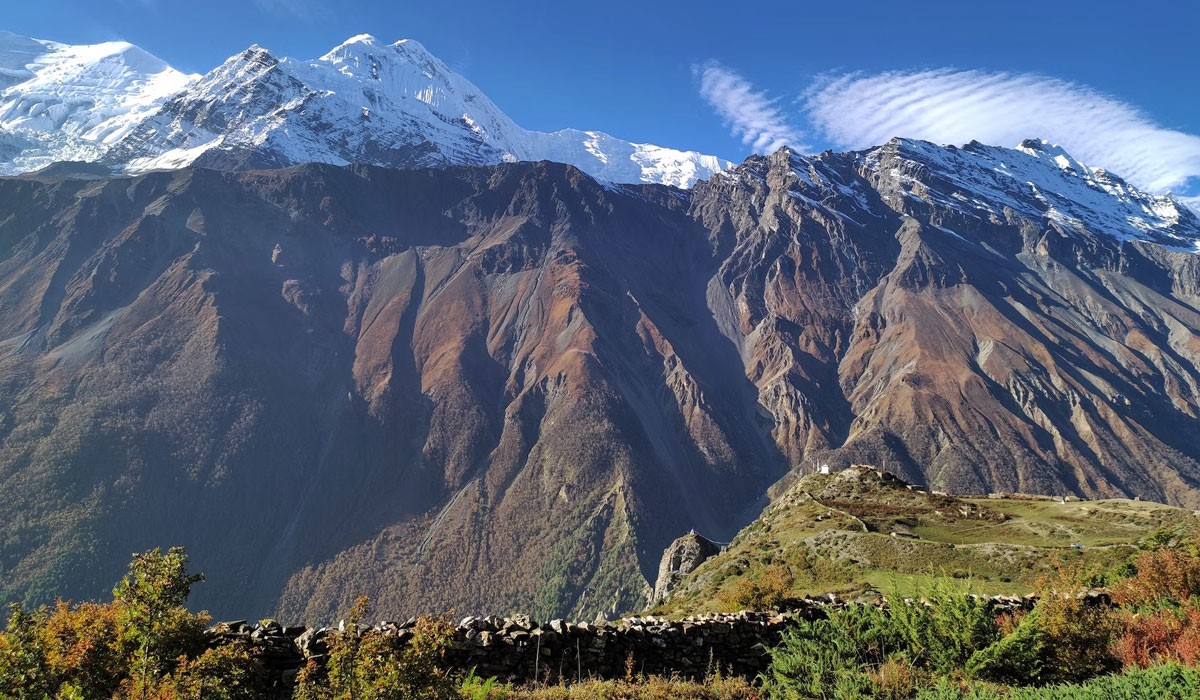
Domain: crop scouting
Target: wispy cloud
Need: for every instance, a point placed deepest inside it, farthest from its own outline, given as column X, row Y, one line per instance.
column 957, row 106
column 303, row 10
column 754, row 117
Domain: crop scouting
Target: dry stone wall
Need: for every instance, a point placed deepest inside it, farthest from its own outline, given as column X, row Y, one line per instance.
column 521, row 649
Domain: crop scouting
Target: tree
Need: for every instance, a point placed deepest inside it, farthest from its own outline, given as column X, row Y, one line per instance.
column 150, row 599
column 23, row 669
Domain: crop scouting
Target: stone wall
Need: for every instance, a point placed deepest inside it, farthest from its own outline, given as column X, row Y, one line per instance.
column 521, row 649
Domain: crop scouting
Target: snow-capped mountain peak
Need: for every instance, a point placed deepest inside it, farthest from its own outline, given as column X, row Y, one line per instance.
column 364, row 101
column 62, row 102
column 364, row 56
column 1041, row 148
column 391, row 78
column 1037, row 180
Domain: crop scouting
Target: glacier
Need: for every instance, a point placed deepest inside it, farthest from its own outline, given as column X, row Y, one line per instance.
column 61, row 102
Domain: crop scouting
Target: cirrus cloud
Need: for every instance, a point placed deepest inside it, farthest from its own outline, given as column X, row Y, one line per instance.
column 860, row 110
column 957, row 106
column 754, row 117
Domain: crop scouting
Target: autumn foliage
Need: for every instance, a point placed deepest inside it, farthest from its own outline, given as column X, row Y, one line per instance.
column 1163, row 576
column 371, row 664
column 143, row 645
column 1162, row 636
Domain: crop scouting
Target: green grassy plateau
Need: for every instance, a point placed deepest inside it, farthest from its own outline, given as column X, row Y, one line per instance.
column 863, row 530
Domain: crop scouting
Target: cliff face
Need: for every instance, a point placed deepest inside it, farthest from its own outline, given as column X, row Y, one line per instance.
column 897, row 309
column 463, row 375
column 510, row 388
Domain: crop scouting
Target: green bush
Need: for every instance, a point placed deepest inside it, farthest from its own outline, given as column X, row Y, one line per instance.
column 862, row 651
column 373, row 665
column 24, row 671
column 831, row 657
column 1015, row 659
column 1168, row 682
column 946, row 628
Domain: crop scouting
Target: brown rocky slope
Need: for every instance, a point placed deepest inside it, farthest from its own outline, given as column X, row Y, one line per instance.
column 509, row 388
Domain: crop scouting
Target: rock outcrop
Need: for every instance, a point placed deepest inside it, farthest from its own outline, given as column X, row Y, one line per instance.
column 681, row 559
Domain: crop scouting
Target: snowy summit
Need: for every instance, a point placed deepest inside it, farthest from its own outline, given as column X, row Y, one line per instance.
column 61, row 102
column 363, row 102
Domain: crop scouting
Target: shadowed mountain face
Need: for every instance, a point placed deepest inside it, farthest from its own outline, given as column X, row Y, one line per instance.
column 509, row 388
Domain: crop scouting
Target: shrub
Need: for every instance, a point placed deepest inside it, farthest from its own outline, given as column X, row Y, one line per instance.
column 1078, row 638
column 222, row 673
column 24, row 672
column 652, row 688
column 896, row 679
column 831, row 657
column 768, row 589
column 1014, row 659
column 83, row 647
column 862, row 651
column 380, row 666
column 1160, row 636
column 1078, row 631
column 62, row 651
column 1163, row 576
column 1168, row 682
column 947, row 628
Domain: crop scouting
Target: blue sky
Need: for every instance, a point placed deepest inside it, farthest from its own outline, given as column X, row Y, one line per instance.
column 639, row 70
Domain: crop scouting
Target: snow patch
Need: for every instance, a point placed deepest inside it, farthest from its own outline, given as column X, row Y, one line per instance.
column 1038, row 180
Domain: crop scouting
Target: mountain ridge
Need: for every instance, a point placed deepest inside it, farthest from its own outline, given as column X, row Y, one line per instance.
column 364, row 101
column 63, row 100
column 511, row 386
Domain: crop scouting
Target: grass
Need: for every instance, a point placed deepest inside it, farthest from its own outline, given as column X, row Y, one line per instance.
column 1049, row 523
column 651, row 688
column 859, row 530
column 1167, row 682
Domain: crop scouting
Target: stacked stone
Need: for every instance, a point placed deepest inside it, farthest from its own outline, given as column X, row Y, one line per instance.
column 520, row 649
column 273, row 645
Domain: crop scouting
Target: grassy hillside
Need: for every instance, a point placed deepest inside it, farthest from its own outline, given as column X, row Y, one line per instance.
column 862, row 530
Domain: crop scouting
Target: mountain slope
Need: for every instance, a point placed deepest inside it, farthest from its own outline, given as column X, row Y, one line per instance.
column 458, row 370
column 363, row 102
column 510, row 387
